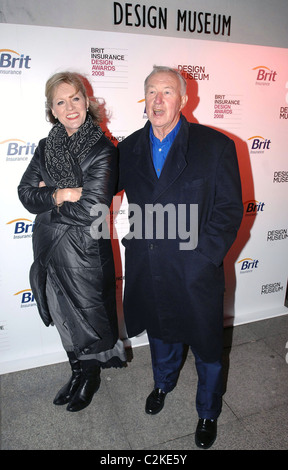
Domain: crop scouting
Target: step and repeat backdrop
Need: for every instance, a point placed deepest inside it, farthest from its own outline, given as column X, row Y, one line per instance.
column 241, row 90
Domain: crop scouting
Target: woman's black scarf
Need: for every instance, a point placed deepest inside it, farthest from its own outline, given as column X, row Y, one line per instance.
column 64, row 154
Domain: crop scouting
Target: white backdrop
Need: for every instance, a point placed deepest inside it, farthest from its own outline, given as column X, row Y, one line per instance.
column 239, row 89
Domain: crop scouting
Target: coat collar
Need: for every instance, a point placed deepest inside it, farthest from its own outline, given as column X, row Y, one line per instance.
column 174, row 164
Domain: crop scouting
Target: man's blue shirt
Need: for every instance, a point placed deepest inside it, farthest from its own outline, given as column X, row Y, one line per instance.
column 160, row 149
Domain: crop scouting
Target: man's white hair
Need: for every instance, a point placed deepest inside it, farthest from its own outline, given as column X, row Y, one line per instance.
column 163, row 68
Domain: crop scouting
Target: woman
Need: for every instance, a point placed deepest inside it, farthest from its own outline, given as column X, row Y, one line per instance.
column 72, row 277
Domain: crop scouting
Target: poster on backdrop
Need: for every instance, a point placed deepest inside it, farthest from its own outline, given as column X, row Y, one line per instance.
column 238, row 89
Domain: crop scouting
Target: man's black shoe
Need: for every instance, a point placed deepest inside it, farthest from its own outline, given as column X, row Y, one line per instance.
column 206, row 433
column 155, row 401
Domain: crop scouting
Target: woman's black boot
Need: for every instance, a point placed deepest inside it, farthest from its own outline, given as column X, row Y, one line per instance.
column 67, row 391
column 90, row 382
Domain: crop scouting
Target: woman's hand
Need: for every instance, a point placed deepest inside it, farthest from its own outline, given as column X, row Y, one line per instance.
column 42, row 184
column 67, row 194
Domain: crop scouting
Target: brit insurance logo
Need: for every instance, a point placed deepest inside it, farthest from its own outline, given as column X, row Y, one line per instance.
column 259, row 144
column 13, row 62
column 253, row 207
column 264, row 75
column 26, row 298
column 248, row 265
column 21, row 228
column 17, row 149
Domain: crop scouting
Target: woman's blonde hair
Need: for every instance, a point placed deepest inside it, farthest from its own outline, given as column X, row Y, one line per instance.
column 78, row 82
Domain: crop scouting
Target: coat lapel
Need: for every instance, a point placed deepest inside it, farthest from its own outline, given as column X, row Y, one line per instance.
column 143, row 158
column 172, row 169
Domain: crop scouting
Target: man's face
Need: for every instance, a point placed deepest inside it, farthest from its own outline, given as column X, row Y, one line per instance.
column 163, row 102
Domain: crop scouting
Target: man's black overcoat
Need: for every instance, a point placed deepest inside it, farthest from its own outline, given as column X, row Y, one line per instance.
column 176, row 294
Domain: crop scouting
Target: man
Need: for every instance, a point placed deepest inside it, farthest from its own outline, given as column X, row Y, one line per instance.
column 173, row 286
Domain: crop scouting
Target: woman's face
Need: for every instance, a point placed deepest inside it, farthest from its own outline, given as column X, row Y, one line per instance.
column 69, row 107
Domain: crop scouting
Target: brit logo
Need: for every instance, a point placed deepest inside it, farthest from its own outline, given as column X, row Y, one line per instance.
column 259, row 144
column 248, row 265
column 265, row 75
column 12, row 61
column 27, row 298
column 23, row 228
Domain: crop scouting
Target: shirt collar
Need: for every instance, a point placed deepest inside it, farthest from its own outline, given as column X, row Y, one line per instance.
column 169, row 137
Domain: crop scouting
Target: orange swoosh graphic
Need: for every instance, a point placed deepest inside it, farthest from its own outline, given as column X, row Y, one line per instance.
column 17, row 220
column 12, row 140
column 255, row 136
column 21, row 291
column 260, row 67
column 9, row 50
